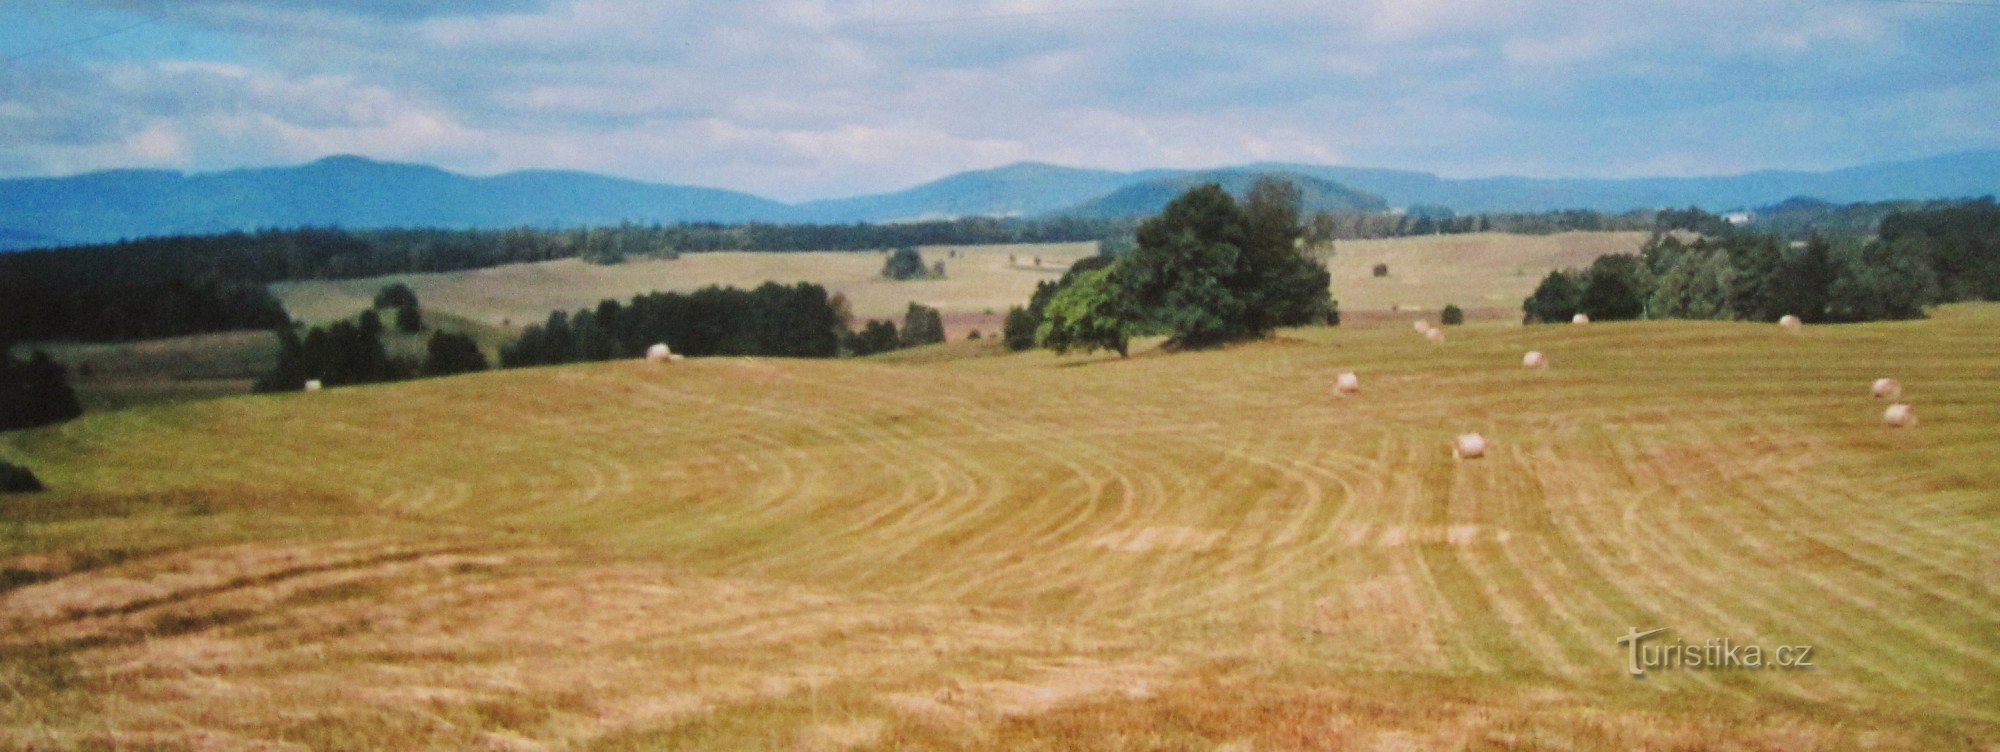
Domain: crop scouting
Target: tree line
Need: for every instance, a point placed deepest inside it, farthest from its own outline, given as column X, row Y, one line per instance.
column 798, row 321
column 1920, row 259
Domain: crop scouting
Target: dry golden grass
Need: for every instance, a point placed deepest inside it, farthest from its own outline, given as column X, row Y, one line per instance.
column 978, row 280
column 1197, row 550
column 1482, row 271
column 1490, row 272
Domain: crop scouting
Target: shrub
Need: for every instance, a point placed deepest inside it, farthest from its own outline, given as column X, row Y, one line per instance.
column 904, row 263
column 1381, row 270
column 1452, row 315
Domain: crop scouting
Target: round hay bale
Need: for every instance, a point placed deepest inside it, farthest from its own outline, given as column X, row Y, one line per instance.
column 1791, row 322
column 1886, row 389
column 1470, row 446
column 1347, row 383
column 1434, row 335
column 1534, row 359
column 1899, row 415
column 1580, row 319
column 659, row 353
column 1421, row 326
column 313, row 385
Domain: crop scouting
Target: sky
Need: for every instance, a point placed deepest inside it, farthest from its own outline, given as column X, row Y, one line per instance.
column 803, row 99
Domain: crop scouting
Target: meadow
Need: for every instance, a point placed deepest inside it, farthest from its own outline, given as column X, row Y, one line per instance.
column 959, row 548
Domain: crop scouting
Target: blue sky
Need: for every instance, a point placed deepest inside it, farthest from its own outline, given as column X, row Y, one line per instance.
column 799, row 99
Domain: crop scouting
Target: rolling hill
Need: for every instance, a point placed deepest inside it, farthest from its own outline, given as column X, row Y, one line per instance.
column 1148, row 197
column 345, row 191
column 1024, row 189
column 357, row 192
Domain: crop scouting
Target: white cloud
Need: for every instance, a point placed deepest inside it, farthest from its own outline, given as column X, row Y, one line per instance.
column 810, row 98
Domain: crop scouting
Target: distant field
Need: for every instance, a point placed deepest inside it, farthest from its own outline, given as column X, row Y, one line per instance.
column 955, row 549
column 980, row 279
column 1488, row 270
column 1491, row 271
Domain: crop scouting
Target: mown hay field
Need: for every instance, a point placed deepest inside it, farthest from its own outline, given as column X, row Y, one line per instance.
column 980, row 279
column 1480, row 271
column 1191, row 550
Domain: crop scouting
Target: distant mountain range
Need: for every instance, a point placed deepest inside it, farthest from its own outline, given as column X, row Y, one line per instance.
column 356, row 192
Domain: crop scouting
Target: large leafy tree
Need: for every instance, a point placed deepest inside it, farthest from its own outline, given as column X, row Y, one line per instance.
column 1614, row 288
column 1187, row 256
column 1092, row 312
column 1556, row 299
column 1883, row 280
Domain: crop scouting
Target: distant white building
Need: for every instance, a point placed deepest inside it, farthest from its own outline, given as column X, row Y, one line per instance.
column 1738, row 217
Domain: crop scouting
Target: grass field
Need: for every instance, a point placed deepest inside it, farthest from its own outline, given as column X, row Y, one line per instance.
column 1487, row 274
column 1199, row 550
column 1483, row 271
column 980, row 279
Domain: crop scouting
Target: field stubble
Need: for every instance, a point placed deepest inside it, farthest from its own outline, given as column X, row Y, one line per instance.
column 1184, row 550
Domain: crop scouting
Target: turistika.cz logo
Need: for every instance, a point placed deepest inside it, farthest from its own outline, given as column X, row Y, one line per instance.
column 1643, row 654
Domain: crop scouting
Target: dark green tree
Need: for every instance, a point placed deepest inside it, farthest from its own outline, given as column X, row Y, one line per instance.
column 874, row 337
column 450, row 353
column 1452, row 315
column 1758, row 265
column 904, row 263
column 371, row 323
column 1614, row 288
column 922, row 325
column 1019, row 331
column 1556, row 299
column 289, row 375
column 34, row 392
column 1805, row 279
column 1883, row 280
column 409, row 319
column 395, row 295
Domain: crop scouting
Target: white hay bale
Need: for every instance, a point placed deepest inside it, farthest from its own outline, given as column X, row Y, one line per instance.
column 1579, row 319
column 1534, row 359
column 1434, row 335
column 1899, row 415
column 1421, row 326
column 1791, row 322
column 659, row 353
column 313, row 385
column 1470, row 446
column 1886, row 389
column 1347, row 383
